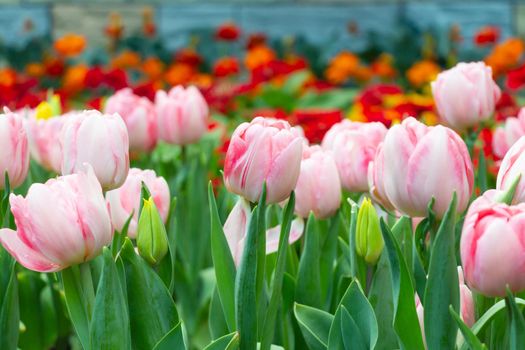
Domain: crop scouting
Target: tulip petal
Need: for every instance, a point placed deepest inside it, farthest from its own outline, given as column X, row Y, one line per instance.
column 273, row 234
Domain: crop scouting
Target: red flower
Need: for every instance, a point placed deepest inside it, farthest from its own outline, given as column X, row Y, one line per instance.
column 226, row 66
column 145, row 90
column 188, row 56
column 227, row 32
column 116, row 79
column 316, row 122
column 95, row 103
column 255, row 39
column 54, row 67
column 94, row 77
column 487, row 35
column 516, row 78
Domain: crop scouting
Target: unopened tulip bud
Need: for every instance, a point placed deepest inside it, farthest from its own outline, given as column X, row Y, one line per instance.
column 152, row 239
column 369, row 241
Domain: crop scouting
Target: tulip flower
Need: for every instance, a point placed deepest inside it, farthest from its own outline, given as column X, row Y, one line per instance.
column 14, row 150
column 44, row 141
column 236, row 227
column 182, row 115
column 152, row 239
column 492, row 247
column 318, row 188
column 60, row 223
column 369, row 240
column 508, row 134
column 100, row 140
column 465, row 95
column 263, row 151
column 140, row 117
column 125, row 200
column 375, row 183
column 354, row 146
column 420, row 163
column 512, row 165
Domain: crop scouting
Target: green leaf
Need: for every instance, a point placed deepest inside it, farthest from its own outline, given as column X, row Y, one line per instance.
column 222, row 263
column 308, row 289
column 482, row 173
column 152, row 311
column 327, row 259
column 352, row 337
column 277, row 285
column 118, row 237
column 217, row 322
column 315, row 325
column 295, row 81
column 76, row 307
column 227, row 342
column 406, row 322
column 442, row 288
column 9, row 311
column 109, row 326
column 517, row 323
column 380, row 297
column 402, row 231
column 356, row 303
column 470, row 338
column 173, row 340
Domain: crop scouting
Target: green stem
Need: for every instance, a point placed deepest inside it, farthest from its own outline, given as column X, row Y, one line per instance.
column 87, row 287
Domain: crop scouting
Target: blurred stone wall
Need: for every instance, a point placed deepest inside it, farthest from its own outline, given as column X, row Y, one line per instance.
column 320, row 21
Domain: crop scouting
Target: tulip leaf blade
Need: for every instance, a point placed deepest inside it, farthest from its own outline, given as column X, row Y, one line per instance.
column 352, row 336
column 308, row 289
column 226, row 342
column 152, row 311
column 517, row 323
column 223, row 263
column 109, row 326
column 9, row 304
column 173, row 340
column 406, row 322
column 277, row 284
column 315, row 325
column 470, row 338
column 76, row 307
column 442, row 287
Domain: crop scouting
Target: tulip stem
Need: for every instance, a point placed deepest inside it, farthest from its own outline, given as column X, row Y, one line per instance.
column 87, row 286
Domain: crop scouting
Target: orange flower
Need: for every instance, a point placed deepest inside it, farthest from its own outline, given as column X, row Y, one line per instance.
column 179, row 73
column 362, row 73
column 7, row 77
column 188, row 56
column 35, row 69
column 341, row 67
column 74, row 78
column 259, row 56
column 153, row 68
column 202, row 80
column 126, row 59
column 422, row 72
column 70, row 45
column 505, row 56
column 383, row 67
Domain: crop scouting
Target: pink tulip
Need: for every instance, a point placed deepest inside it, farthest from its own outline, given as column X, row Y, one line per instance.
column 182, row 115
column 354, row 146
column 60, row 223
column 44, row 141
column 512, row 165
column 492, row 246
column 318, row 188
column 420, row 162
column 140, row 117
column 466, row 305
column 125, row 200
column 465, row 95
column 14, row 150
column 264, row 150
column 375, row 181
column 236, row 226
column 508, row 134
column 100, row 140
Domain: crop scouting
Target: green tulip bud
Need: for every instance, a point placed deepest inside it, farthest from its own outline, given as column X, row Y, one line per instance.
column 369, row 241
column 152, row 239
